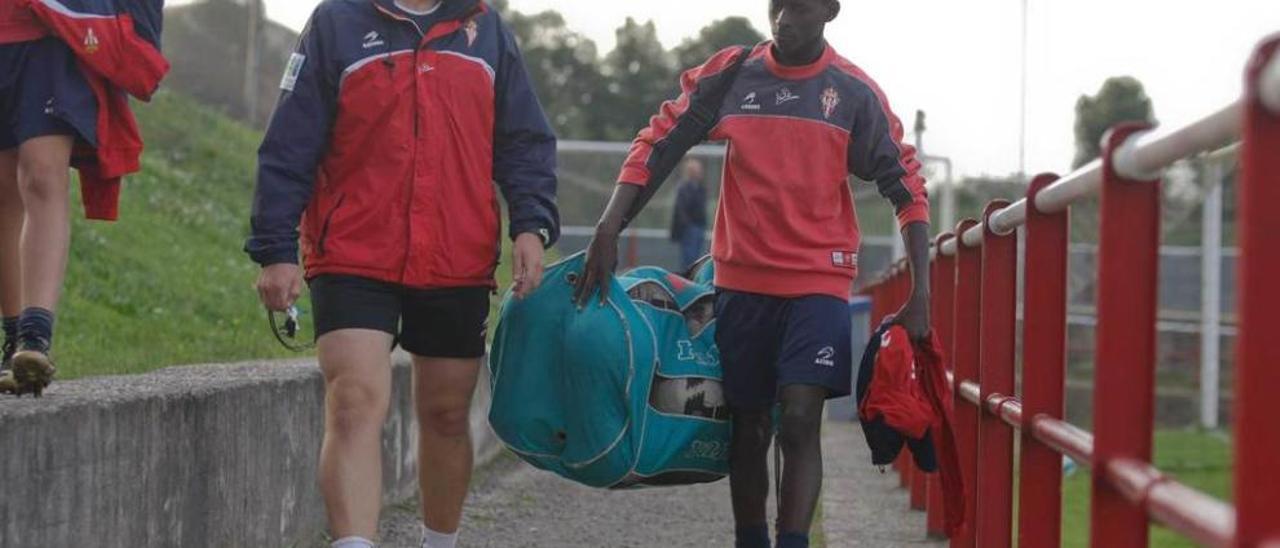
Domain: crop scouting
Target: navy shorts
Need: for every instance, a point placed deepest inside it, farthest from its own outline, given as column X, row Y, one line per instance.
column 43, row 92
column 767, row 343
column 433, row 323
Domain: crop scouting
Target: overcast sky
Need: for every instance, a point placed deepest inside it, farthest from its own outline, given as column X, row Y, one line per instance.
column 958, row 59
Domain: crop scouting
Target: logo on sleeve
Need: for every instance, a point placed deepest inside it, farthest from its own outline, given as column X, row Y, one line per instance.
column 292, row 70
column 373, row 40
column 749, row 102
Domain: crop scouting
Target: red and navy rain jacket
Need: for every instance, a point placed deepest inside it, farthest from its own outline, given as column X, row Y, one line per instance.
column 785, row 225
column 387, row 141
column 117, row 43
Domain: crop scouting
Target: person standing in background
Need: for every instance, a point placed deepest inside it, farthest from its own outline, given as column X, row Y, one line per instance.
column 689, row 220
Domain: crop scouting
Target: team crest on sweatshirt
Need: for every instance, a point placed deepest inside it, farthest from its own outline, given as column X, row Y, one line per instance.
column 830, row 100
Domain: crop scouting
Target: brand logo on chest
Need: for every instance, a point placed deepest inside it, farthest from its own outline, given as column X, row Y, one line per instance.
column 373, row 40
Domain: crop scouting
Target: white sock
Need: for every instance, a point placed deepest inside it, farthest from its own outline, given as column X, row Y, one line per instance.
column 353, row 542
column 433, row 539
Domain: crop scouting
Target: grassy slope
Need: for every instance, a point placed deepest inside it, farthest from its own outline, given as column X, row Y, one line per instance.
column 168, row 284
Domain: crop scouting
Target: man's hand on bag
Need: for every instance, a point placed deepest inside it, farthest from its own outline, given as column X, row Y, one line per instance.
column 602, row 258
column 526, row 264
column 279, row 286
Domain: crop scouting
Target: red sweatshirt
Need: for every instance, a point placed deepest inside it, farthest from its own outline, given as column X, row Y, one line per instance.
column 786, row 225
column 17, row 24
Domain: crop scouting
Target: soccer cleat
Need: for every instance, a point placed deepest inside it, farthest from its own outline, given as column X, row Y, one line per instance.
column 32, row 368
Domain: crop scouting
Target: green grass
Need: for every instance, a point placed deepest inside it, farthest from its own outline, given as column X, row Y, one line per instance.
column 1201, row 460
column 168, row 283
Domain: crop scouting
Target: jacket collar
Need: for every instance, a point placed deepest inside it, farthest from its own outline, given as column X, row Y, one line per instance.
column 450, row 10
column 798, row 73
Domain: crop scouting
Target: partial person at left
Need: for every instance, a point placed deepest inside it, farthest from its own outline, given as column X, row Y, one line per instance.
column 63, row 104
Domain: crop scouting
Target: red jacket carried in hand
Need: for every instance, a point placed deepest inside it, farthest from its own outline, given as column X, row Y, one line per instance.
column 118, row 45
column 904, row 397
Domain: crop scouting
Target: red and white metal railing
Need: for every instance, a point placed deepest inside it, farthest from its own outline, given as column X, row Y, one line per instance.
column 975, row 311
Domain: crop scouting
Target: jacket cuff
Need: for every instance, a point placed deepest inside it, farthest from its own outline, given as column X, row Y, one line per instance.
column 547, row 235
column 283, row 256
column 634, row 175
column 916, row 212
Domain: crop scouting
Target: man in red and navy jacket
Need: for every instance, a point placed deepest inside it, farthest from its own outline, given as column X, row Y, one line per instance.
column 396, row 120
column 799, row 118
column 66, row 70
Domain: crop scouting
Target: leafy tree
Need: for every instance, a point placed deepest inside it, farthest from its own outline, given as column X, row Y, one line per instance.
column 730, row 31
column 641, row 74
column 564, row 67
column 1121, row 99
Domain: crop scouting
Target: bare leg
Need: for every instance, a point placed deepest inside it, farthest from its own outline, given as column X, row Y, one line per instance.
column 749, row 474
column 11, row 218
column 443, row 388
column 44, row 179
column 357, row 372
column 800, row 436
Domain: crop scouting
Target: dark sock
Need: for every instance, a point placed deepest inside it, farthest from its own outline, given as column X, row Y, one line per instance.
column 753, row 537
column 36, row 327
column 793, row 540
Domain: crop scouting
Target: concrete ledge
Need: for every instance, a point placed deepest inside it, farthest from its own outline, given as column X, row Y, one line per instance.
column 214, row 455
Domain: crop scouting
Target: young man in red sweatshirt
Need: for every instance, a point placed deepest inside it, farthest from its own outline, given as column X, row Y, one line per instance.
column 798, row 118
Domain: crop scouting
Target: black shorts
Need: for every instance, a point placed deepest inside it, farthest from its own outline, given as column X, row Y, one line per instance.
column 433, row 323
column 767, row 343
column 43, row 92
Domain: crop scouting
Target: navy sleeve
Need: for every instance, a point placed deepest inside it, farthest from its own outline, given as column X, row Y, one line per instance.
column 877, row 153
column 295, row 143
column 524, row 150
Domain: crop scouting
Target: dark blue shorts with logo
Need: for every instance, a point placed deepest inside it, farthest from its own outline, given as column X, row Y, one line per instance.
column 43, row 92
column 767, row 343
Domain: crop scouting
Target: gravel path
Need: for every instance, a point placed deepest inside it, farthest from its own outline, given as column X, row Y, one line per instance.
column 514, row 505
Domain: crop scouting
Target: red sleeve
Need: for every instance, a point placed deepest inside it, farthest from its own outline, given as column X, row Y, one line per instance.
column 637, row 170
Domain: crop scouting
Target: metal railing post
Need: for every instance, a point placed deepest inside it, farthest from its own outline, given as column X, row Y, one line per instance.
column 999, row 332
column 1257, row 378
column 942, row 285
column 966, row 330
column 1044, row 342
column 1125, row 352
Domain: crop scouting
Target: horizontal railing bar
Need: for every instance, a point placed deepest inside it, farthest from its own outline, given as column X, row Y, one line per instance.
column 1007, row 408
column 1269, row 85
column 1064, row 437
column 970, row 390
column 1140, row 157
column 1195, row 515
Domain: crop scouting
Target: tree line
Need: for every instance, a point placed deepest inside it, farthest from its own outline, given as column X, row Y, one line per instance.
column 610, row 97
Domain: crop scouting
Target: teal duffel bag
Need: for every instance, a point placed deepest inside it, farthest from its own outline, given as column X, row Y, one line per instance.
column 624, row 394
